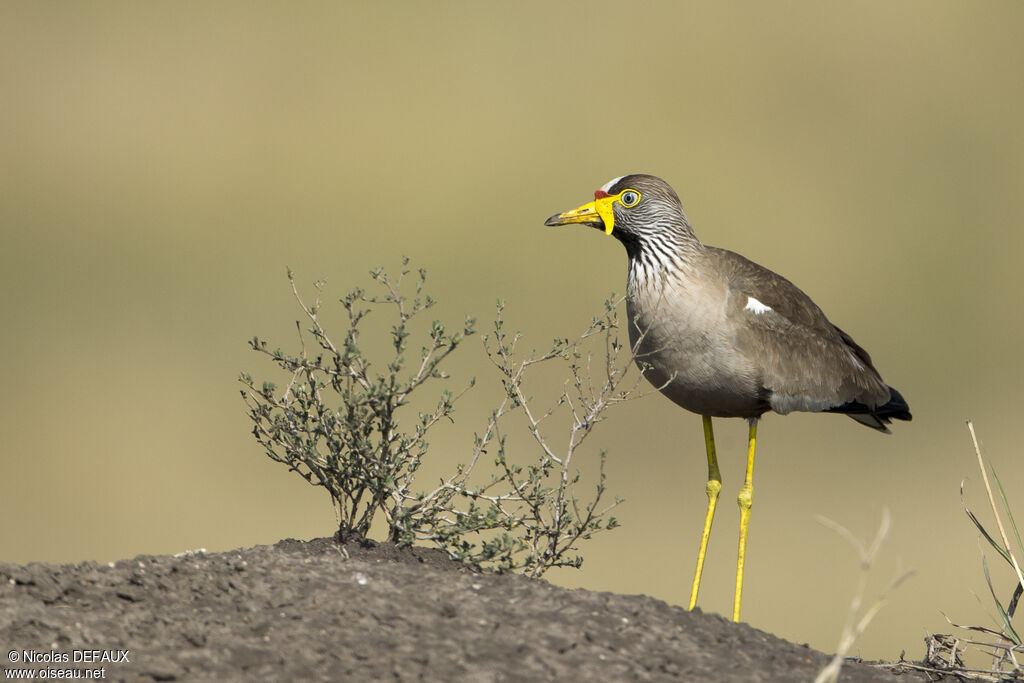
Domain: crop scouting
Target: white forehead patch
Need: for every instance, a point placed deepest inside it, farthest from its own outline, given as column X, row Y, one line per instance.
column 608, row 186
column 756, row 307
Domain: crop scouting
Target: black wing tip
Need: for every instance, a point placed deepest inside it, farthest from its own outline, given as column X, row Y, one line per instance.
column 896, row 408
column 879, row 417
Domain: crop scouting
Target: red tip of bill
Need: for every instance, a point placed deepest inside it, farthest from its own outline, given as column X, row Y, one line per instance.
column 599, row 194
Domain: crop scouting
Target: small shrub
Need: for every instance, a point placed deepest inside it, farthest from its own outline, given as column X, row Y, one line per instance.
column 337, row 424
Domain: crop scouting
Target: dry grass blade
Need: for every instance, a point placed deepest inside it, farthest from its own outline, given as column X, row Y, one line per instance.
column 1004, row 661
column 856, row 626
column 995, row 511
column 1009, row 514
column 978, row 629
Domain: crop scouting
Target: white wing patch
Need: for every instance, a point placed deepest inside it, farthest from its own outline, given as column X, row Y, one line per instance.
column 756, row 307
column 608, row 186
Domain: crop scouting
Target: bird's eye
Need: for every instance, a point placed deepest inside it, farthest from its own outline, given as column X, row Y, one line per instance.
column 629, row 198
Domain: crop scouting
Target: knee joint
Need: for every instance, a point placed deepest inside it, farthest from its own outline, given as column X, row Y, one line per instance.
column 746, row 498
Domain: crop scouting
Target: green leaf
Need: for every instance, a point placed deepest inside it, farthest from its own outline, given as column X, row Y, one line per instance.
column 1006, row 506
column 991, row 541
column 1007, row 626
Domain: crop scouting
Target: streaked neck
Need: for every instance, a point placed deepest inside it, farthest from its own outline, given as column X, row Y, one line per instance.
column 663, row 252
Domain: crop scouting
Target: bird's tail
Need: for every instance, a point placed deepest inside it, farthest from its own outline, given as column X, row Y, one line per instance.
column 895, row 408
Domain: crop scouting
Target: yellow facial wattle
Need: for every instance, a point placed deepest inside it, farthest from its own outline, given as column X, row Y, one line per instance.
column 604, row 208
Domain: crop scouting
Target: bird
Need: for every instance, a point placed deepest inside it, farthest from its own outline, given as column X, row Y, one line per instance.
column 722, row 336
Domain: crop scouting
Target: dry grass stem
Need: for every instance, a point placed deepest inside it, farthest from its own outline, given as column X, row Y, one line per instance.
column 992, row 503
column 856, row 625
column 944, row 650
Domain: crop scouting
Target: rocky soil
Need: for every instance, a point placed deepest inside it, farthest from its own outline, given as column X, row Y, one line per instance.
column 366, row 611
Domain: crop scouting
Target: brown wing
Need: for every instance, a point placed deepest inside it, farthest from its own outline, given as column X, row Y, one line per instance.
column 805, row 362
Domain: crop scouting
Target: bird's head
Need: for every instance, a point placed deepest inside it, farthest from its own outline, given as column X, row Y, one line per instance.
column 628, row 207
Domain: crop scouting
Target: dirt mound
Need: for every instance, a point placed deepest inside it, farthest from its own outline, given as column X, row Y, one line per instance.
column 366, row 611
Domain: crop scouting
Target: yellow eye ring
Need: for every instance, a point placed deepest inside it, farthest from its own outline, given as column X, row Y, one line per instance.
column 629, row 198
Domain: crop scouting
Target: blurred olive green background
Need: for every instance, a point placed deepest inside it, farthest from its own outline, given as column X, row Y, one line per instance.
column 162, row 163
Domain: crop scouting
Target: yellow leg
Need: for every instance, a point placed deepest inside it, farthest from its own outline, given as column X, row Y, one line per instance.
column 746, row 500
column 714, row 486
